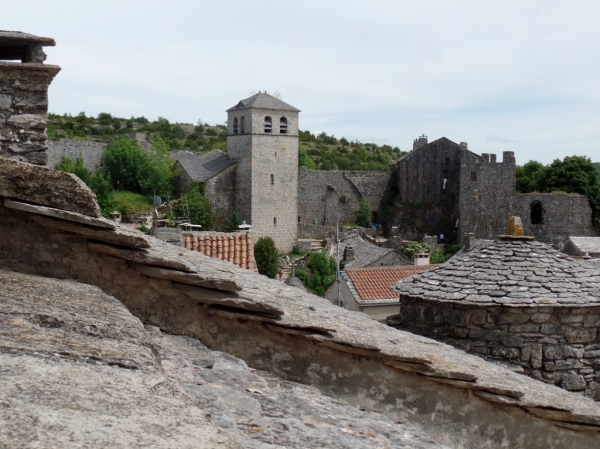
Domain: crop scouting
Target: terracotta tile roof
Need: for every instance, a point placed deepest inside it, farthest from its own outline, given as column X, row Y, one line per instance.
column 376, row 283
column 237, row 248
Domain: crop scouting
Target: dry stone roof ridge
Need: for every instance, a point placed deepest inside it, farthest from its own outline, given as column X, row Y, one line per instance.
column 203, row 167
column 365, row 253
column 263, row 100
column 511, row 273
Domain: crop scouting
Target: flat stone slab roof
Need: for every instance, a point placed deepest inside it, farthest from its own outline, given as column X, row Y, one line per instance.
column 16, row 38
column 516, row 273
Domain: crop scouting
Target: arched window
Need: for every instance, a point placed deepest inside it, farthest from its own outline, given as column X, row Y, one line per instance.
column 537, row 212
column 242, row 125
column 283, row 125
column 272, row 180
column 268, row 124
column 235, row 125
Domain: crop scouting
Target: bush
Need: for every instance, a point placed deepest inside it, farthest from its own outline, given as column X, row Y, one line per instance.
column 265, row 254
column 321, row 273
column 415, row 247
column 233, row 223
column 363, row 214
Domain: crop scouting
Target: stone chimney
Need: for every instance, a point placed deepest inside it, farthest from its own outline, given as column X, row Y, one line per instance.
column 421, row 259
column 515, row 230
column 420, row 142
column 464, row 146
column 470, row 241
column 24, row 96
column 348, row 253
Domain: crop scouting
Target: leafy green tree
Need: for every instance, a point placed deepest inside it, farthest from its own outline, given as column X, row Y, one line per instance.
column 131, row 167
column 195, row 203
column 76, row 167
column 528, row 176
column 363, row 214
column 265, row 254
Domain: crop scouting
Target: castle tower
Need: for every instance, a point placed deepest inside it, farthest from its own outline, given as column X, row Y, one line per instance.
column 263, row 138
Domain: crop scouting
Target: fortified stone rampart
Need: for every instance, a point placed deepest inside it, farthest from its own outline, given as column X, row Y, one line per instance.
column 327, row 197
column 554, row 217
column 90, row 151
column 487, row 194
column 24, row 96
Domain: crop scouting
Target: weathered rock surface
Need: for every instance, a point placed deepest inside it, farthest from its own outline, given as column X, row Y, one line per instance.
column 46, row 187
column 83, row 372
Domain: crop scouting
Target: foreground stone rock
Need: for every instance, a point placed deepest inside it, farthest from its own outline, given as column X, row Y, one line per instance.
column 46, row 187
column 457, row 399
column 83, row 372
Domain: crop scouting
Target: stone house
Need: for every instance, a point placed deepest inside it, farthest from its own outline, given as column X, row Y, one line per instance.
column 217, row 172
column 356, row 252
column 369, row 290
column 517, row 300
column 446, row 189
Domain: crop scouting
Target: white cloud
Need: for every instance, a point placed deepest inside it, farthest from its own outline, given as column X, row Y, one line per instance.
column 384, row 71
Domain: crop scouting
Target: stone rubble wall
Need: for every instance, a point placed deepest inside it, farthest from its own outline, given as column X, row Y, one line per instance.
column 557, row 345
column 221, row 192
column 487, row 194
column 24, row 111
column 329, row 196
column 563, row 215
column 90, row 151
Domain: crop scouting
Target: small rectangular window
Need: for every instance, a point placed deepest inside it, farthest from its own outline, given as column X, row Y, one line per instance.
column 274, row 221
column 447, row 161
column 473, row 176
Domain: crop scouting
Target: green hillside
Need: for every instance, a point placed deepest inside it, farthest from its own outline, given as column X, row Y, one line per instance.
column 320, row 151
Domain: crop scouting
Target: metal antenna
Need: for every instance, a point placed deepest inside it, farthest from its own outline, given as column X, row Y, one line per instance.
column 277, row 95
column 252, row 93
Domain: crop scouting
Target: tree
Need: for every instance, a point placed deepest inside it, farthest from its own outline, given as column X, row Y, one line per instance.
column 195, row 204
column 414, row 248
column 131, row 167
column 76, row 167
column 233, row 223
column 265, row 254
column 528, row 176
column 304, row 159
column 363, row 214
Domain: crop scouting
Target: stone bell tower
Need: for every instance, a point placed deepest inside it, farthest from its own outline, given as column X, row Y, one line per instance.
column 263, row 139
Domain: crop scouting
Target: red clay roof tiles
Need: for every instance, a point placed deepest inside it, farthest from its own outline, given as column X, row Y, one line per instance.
column 235, row 248
column 376, row 282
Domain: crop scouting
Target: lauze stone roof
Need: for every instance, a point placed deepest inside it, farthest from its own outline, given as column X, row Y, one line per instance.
column 375, row 284
column 204, row 166
column 508, row 272
column 263, row 100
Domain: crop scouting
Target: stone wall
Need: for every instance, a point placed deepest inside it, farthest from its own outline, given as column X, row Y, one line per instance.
column 327, row 197
column 428, row 206
column 487, row 194
column 24, row 110
column 90, row 151
column 563, row 215
column 221, row 192
column 557, row 345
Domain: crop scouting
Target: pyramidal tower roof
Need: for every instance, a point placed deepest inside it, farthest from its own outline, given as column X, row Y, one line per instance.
column 263, row 100
column 510, row 272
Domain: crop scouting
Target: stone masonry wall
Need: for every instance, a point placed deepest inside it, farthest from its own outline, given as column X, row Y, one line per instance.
column 221, row 190
column 429, row 207
column 329, row 196
column 556, row 345
column 91, row 152
column 275, row 205
column 487, row 194
column 23, row 111
column 239, row 147
column 563, row 215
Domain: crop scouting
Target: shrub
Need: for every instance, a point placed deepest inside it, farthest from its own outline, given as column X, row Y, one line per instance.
column 320, row 274
column 265, row 254
column 196, row 206
column 363, row 214
column 415, row 247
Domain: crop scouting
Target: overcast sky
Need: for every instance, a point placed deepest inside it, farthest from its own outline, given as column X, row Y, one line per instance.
column 504, row 75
